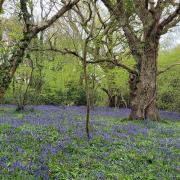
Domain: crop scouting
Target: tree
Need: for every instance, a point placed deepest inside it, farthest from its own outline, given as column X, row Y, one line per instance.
column 8, row 66
column 1, row 5
column 88, row 27
column 143, row 23
column 22, row 84
column 81, row 36
column 102, row 46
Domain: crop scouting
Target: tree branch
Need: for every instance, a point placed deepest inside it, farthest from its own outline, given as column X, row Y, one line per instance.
column 114, row 62
column 68, row 51
column 26, row 15
column 108, row 4
column 60, row 13
column 122, row 17
column 170, row 25
column 64, row 51
column 1, row 4
column 141, row 7
column 165, row 23
column 168, row 68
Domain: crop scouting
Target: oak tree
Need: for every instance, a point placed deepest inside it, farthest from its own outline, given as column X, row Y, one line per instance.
column 143, row 23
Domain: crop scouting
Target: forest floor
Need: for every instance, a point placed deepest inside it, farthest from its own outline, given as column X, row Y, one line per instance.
column 49, row 142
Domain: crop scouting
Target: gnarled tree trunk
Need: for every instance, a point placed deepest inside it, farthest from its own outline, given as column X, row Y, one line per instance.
column 144, row 48
column 143, row 87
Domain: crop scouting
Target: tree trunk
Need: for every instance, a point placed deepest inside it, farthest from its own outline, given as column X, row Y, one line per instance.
column 112, row 101
column 1, row 93
column 7, row 70
column 143, row 87
column 111, row 97
column 4, row 82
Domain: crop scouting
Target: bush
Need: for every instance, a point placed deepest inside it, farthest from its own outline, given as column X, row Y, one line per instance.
column 168, row 95
column 72, row 95
column 75, row 94
column 51, row 97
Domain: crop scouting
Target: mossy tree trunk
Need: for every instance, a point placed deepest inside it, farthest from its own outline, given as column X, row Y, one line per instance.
column 8, row 68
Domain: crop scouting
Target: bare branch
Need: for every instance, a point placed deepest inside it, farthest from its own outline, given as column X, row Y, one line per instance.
column 64, row 51
column 168, row 68
column 60, row 13
column 122, row 17
column 141, row 7
column 165, row 23
column 68, row 51
column 114, row 62
column 170, row 25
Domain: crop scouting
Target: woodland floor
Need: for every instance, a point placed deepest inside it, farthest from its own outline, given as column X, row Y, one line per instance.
column 49, row 142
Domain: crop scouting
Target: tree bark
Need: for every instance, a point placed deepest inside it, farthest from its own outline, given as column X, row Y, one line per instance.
column 1, row 93
column 143, row 87
column 7, row 70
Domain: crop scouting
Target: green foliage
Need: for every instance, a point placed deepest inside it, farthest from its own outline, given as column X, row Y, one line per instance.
column 129, row 6
column 14, row 29
column 72, row 95
column 51, row 97
column 169, row 82
column 56, row 78
column 75, row 94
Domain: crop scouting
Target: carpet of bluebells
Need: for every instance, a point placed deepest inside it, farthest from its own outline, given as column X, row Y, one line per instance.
column 49, row 142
